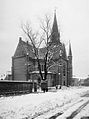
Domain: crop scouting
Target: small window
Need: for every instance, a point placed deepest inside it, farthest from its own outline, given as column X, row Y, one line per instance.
column 64, row 83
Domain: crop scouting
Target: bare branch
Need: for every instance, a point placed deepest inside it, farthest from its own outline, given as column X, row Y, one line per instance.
column 45, row 26
column 37, row 42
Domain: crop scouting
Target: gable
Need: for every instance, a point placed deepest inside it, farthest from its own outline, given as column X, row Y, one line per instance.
column 19, row 50
column 23, row 48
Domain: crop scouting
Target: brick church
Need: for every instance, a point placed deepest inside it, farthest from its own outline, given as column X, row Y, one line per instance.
column 25, row 65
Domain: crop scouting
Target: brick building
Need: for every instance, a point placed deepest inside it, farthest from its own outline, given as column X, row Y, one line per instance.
column 25, row 66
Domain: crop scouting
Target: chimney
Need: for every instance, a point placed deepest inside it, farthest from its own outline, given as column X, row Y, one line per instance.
column 20, row 38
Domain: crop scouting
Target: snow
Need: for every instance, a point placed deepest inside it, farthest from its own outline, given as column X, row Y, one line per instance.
column 83, row 113
column 44, row 105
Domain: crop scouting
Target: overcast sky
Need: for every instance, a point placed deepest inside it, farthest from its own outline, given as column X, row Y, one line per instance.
column 73, row 21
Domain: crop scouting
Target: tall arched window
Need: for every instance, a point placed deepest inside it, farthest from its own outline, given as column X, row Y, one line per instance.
column 42, row 67
column 64, row 70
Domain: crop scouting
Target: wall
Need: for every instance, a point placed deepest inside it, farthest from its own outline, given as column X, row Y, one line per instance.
column 19, row 69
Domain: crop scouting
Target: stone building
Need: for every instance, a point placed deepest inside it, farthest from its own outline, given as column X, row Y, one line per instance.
column 25, row 66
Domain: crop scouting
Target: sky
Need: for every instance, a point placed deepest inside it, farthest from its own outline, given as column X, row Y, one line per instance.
column 73, row 22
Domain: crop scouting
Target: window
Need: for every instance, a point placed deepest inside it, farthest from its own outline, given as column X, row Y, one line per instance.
column 42, row 67
column 64, row 70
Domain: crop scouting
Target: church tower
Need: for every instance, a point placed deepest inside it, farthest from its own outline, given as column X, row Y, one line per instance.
column 60, row 56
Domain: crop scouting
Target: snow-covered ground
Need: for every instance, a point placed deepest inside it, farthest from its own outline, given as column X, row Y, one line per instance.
column 66, row 102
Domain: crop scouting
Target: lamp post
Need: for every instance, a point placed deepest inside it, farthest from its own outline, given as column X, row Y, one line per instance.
column 58, row 75
column 27, row 67
column 60, row 56
column 67, row 75
column 33, row 86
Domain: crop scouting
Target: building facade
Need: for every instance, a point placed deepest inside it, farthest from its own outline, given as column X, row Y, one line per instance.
column 25, row 65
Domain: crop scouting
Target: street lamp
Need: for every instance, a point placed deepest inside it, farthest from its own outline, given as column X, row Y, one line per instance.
column 27, row 64
column 60, row 56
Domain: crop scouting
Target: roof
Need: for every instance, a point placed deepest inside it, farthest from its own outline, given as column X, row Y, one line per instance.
column 24, row 48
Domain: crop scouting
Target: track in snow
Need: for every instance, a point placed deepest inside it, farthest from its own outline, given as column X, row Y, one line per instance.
column 77, row 111
column 79, row 104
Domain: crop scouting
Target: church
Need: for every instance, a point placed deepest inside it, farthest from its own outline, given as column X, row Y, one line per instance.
column 25, row 65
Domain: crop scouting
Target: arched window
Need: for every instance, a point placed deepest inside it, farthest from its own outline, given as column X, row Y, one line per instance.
column 42, row 67
column 64, row 70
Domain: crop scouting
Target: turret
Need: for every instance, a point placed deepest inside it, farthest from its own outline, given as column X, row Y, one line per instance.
column 70, row 71
column 64, row 52
column 70, row 54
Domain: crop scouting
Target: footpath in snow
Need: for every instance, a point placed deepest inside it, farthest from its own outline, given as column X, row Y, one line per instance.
column 60, row 103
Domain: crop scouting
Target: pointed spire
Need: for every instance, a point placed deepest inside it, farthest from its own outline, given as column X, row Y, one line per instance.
column 64, row 51
column 55, row 34
column 70, row 51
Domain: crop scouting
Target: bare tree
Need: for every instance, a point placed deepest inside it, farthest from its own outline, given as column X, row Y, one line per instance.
column 45, row 37
column 27, row 29
column 46, row 28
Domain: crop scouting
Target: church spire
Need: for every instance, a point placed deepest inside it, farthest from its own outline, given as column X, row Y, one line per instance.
column 70, row 52
column 55, row 34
